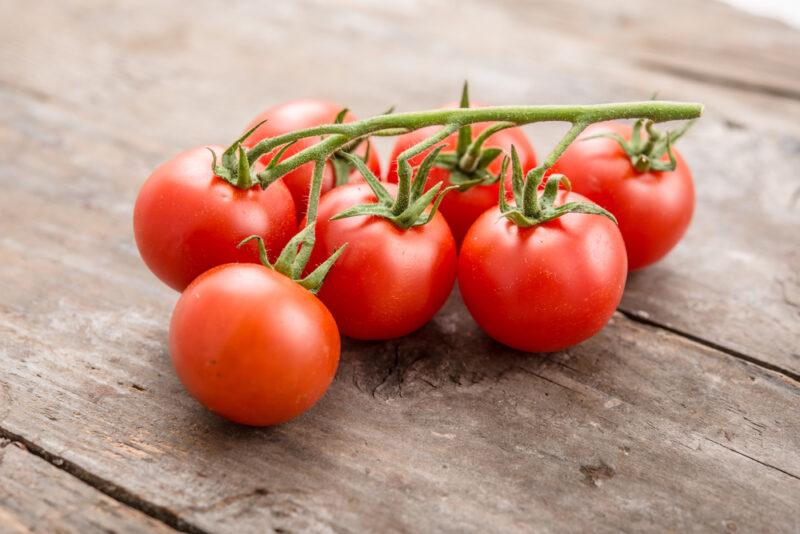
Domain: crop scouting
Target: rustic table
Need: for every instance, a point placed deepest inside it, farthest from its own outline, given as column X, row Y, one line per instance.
column 682, row 415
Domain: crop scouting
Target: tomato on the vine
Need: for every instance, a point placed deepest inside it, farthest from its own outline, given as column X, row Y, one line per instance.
column 461, row 207
column 653, row 207
column 545, row 287
column 252, row 345
column 297, row 115
column 187, row 219
column 389, row 281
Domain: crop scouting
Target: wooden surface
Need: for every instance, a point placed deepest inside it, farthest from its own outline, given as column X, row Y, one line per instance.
column 41, row 497
column 681, row 415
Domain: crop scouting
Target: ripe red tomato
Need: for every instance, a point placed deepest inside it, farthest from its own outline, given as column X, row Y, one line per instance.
column 460, row 209
column 653, row 208
column 546, row 287
column 296, row 115
column 252, row 345
column 389, row 281
column 187, row 220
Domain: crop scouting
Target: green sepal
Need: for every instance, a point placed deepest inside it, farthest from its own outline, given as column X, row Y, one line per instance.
column 424, row 169
column 342, row 166
column 286, row 260
column 647, row 146
column 465, row 132
column 407, row 210
column 290, row 266
column 517, row 180
column 468, row 163
column 374, row 183
column 245, row 178
column 313, row 282
column 231, row 166
column 551, row 190
column 262, row 249
column 340, row 116
column 537, row 209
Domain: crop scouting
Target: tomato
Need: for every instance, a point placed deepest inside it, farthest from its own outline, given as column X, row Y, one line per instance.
column 545, row 287
column 252, row 345
column 460, row 209
column 187, row 220
column 296, row 115
column 653, row 208
column 388, row 282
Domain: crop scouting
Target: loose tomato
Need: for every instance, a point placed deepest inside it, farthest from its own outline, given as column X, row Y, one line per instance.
column 388, row 282
column 545, row 287
column 296, row 115
column 461, row 208
column 252, row 345
column 653, row 208
column 187, row 220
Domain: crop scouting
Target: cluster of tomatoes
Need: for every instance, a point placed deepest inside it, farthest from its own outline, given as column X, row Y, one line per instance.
column 254, row 345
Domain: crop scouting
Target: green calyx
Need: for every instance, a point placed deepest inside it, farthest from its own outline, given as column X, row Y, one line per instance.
column 647, row 146
column 233, row 166
column 294, row 257
column 408, row 208
column 529, row 207
column 468, row 165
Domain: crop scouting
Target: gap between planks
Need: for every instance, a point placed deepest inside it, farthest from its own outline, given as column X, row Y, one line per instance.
column 106, row 487
column 637, row 318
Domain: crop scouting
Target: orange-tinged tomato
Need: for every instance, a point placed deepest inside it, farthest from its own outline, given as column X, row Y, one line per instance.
column 252, row 345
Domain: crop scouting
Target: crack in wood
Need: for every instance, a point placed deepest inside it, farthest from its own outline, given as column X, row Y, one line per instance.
column 108, row 488
column 765, row 464
column 791, row 375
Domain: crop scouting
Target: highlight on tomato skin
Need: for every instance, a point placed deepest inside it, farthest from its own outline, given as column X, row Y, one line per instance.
column 252, row 345
column 388, row 282
column 543, row 288
column 186, row 220
column 296, row 115
column 462, row 208
column 653, row 208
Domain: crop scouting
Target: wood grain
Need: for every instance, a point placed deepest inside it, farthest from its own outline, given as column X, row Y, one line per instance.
column 151, row 77
column 37, row 497
column 638, row 429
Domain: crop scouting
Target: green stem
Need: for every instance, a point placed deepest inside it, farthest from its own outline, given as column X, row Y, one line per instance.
column 404, row 169
column 530, row 201
column 340, row 134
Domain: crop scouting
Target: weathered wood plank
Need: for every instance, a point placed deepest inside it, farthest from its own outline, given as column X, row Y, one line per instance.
column 636, row 429
column 707, row 288
column 444, row 425
column 38, row 497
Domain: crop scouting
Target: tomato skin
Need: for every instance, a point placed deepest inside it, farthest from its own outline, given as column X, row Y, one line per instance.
column 252, row 345
column 187, row 220
column 653, row 209
column 388, row 282
column 460, row 209
column 543, row 288
column 297, row 115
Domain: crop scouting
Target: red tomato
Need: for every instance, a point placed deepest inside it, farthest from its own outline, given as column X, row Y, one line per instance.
column 187, row 220
column 252, row 345
column 461, row 209
column 653, row 208
column 297, row 115
column 546, row 287
column 389, row 281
